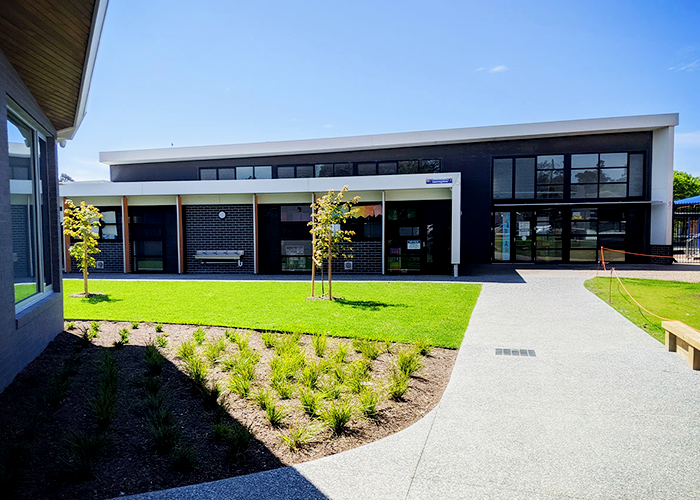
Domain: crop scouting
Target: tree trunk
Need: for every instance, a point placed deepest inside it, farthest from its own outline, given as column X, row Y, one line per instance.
column 85, row 272
column 330, row 258
column 313, row 262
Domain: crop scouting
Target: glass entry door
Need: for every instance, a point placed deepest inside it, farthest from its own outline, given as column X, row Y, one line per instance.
column 528, row 236
column 548, row 235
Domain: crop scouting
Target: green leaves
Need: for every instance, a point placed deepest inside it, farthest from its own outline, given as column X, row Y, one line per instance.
column 82, row 224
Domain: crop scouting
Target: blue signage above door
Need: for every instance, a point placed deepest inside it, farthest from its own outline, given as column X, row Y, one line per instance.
column 439, row 181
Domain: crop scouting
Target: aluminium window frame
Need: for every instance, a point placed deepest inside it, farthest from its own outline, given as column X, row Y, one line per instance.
column 16, row 112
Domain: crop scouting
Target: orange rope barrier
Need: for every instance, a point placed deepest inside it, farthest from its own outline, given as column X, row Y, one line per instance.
column 612, row 271
column 640, row 254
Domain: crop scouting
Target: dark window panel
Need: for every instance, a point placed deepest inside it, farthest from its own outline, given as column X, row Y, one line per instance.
column 584, row 161
column 613, row 190
column 285, row 172
column 429, row 166
column 524, row 178
column 546, row 177
column 608, row 160
column 584, row 190
column 305, row 171
column 324, row 170
column 636, row 175
column 366, row 169
column 263, row 172
column 550, row 162
column 207, row 174
column 408, row 167
column 227, row 174
column 387, row 168
column 550, row 192
column 613, row 175
column 244, row 173
column 503, row 178
column 584, row 176
column 343, row 169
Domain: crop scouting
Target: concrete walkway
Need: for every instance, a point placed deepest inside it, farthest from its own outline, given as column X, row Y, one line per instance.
column 601, row 411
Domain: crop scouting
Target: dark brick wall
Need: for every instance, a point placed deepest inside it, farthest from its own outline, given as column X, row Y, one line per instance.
column 24, row 335
column 204, row 230
column 366, row 258
column 112, row 254
column 661, row 250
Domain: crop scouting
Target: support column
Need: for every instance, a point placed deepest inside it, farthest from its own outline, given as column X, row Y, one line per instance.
column 125, row 234
column 66, row 246
column 383, row 232
column 456, row 223
column 255, row 233
column 180, row 238
column 662, row 186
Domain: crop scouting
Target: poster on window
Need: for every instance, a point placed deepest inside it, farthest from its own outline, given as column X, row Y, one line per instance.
column 506, row 235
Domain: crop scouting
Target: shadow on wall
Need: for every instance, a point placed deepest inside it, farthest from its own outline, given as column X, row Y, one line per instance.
column 52, row 404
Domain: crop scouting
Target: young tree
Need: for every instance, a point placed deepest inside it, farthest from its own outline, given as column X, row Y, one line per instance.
column 82, row 223
column 327, row 214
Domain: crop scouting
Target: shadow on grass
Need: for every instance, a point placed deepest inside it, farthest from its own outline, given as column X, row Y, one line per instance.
column 98, row 298
column 370, row 305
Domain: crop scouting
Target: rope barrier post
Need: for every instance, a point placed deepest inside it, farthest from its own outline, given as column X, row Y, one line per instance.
column 611, row 278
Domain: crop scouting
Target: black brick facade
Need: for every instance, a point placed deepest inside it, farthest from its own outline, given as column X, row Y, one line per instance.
column 663, row 251
column 366, row 258
column 204, row 230
column 111, row 253
column 24, row 334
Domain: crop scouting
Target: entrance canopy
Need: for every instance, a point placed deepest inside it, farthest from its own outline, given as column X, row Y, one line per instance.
column 693, row 200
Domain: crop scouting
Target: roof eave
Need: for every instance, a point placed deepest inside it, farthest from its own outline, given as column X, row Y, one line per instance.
column 98, row 19
column 396, row 140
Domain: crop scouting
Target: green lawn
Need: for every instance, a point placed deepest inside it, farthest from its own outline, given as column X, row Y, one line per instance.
column 670, row 299
column 402, row 312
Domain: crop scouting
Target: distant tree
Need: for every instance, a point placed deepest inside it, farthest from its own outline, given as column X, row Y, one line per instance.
column 685, row 185
column 82, row 224
column 65, row 178
column 327, row 215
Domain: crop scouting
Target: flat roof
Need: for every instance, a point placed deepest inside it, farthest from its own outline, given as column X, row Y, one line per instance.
column 396, row 140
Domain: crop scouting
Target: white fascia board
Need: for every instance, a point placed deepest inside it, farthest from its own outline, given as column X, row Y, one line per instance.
column 388, row 141
column 259, row 186
column 98, row 19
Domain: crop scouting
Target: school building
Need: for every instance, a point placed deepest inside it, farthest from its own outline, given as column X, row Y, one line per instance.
column 431, row 202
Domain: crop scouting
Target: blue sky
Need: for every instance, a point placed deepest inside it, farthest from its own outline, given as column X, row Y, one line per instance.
column 230, row 72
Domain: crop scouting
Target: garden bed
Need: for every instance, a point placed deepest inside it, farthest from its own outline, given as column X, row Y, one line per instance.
column 167, row 426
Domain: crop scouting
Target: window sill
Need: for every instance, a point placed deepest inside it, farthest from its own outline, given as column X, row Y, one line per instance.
column 35, row 307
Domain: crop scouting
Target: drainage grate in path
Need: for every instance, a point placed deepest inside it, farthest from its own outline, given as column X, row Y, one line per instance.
column 516, row 352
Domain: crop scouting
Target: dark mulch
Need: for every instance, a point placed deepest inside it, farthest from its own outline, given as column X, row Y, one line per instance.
column 129, row 464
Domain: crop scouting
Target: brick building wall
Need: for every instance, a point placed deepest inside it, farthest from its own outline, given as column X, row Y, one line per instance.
column 112, row 254
column 204, row 230
column 366, row 258
column 661, row 250
column 24, row 334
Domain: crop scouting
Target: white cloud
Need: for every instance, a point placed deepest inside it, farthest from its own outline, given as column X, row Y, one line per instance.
column 687, row 67
column 480, row 69
column 498, row 69
column 688, row 139
column 328, row 125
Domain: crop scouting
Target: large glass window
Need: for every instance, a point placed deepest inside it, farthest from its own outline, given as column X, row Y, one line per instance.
column 368, row 223
column 503, row 178
column 550, row 177
column 30, row 209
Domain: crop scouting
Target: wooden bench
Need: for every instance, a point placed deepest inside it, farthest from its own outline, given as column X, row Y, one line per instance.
column 679, row 334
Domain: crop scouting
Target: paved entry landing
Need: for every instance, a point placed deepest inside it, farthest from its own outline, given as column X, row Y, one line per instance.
column 596, row 409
